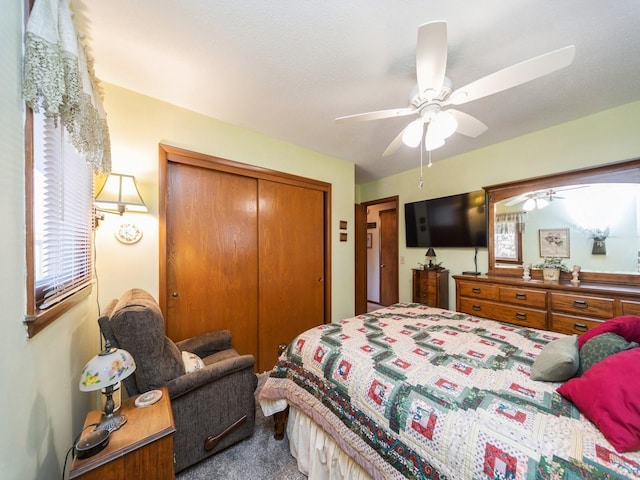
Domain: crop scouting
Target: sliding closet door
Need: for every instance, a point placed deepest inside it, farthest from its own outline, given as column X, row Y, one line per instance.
column 211, row 254
column 291, row 233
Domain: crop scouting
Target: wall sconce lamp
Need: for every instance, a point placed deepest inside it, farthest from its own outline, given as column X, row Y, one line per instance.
column 103, row 372
column 119, row 194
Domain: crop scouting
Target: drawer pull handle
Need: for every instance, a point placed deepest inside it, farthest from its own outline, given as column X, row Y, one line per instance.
column 580, row 304
column 521, row 316
column 521, row 296
column 476, row 307
column 580, row 327
column 476, row 290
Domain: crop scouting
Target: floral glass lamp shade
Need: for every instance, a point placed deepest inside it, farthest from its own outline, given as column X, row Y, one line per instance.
column 104, row 371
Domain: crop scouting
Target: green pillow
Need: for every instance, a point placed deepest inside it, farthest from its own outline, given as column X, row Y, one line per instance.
column 558, row 361
column 600, row 347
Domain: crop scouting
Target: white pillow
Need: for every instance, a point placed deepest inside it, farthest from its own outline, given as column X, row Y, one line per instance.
column 192, row 362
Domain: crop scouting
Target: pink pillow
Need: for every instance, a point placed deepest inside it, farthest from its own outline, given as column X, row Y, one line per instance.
column 608, row 394
column 628, row 327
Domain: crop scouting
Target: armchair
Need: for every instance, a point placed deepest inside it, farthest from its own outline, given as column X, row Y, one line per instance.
column 214, row 405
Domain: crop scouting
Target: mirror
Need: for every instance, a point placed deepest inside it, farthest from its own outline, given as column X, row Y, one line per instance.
column 589, row 217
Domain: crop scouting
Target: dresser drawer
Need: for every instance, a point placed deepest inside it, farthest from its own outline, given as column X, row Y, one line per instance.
column 629, row 307
column 523, row 296
column 478, row 290
column 570, row 324
column 525, row 317
column 585, row 306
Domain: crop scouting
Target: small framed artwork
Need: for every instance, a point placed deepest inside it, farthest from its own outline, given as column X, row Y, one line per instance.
column 369, row 240
column 554, row 242
column 343, row 224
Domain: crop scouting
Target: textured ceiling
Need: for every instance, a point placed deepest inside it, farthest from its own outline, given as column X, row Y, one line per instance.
column 288, row 68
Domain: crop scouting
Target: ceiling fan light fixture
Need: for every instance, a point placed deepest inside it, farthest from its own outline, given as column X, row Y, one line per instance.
column 529, row 205
column 413, row 133
column 542, row 202
column 444, row 125
column 432, row 139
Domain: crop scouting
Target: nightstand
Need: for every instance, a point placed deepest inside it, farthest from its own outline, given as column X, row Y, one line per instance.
column 141, row 449
column 431, row 287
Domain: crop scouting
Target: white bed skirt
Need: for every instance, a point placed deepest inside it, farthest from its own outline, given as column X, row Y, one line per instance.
column 318, row 456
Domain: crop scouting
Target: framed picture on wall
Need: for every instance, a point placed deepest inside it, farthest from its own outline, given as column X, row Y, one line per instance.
column 369, row 240
column 554, row 242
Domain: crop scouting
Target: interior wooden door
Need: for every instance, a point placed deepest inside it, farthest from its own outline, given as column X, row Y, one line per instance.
column 291, row 272
column 212, row 255
column 388, row 256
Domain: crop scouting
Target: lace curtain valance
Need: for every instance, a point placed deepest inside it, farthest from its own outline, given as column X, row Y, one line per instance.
column 510, row 222
column 59, row 81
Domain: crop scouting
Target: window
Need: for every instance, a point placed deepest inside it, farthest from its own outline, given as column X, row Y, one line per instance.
column 59, row 223
column 508, row 237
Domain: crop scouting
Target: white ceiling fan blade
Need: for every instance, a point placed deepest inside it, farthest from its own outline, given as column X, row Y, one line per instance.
column 431, row 57
column 516, row 200
column 395, row 144
column 468, row 125
column 514, row 75
column 377, row 115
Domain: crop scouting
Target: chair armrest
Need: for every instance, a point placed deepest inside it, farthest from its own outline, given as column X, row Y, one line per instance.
column 206, row 344
column 210, row 373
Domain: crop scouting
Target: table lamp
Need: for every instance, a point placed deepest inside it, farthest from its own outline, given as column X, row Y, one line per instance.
column 431, row 255
column 104, row 371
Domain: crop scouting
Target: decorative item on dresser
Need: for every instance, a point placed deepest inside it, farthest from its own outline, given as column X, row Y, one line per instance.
column 560, row 307
column 431, row 287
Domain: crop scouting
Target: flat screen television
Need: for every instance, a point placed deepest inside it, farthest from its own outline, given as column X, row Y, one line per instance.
column 453, row 221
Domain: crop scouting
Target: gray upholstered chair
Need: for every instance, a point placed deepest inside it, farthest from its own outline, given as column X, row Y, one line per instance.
column 213, row 406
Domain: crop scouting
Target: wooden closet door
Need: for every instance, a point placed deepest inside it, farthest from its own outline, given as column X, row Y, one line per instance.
column 291, row 271
column 212, row 256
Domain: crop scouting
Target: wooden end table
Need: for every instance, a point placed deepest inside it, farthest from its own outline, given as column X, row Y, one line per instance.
column 141, row 449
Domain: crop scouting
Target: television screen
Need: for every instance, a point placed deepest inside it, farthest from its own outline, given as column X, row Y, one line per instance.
column 453, row 221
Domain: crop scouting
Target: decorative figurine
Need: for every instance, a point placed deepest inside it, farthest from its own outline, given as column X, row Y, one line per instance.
column 526, row 271
column 574, row 275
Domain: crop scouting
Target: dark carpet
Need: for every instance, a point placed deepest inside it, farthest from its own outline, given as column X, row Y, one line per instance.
column 257, row 458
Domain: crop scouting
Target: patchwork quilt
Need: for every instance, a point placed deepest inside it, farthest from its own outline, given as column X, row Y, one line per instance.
column 417, row 392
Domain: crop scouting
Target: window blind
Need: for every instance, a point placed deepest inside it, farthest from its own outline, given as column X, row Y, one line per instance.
column 63, row 208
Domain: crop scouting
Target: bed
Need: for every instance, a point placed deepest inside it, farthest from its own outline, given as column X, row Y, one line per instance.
column 411, row 391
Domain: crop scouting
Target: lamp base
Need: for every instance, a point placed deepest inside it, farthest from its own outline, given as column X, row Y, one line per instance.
column 111, row 422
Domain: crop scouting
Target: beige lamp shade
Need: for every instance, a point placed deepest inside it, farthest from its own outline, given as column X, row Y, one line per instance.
column 119, row 194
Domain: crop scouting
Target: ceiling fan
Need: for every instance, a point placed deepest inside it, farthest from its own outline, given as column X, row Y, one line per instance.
column 539, row 199
column 434, row 92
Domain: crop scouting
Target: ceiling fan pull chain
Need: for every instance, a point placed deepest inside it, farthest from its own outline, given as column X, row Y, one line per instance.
column 421, row 183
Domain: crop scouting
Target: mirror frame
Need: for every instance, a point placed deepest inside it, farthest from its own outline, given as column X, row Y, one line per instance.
column 620, row 172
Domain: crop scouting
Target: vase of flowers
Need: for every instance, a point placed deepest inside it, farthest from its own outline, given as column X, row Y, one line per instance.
column 551, row 268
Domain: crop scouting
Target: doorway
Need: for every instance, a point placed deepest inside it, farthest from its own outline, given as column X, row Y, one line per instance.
column 377, row 257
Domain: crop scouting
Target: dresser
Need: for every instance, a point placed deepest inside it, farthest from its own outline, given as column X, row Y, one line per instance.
column 142, row 448
column 560, row 307
column 431, row 287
